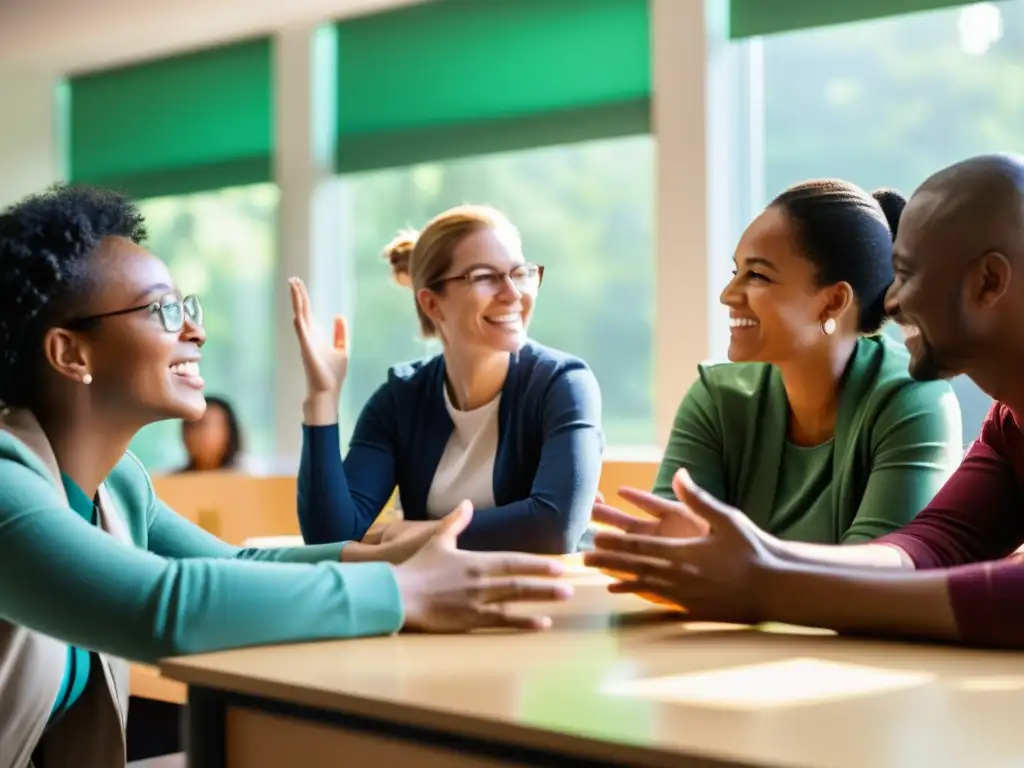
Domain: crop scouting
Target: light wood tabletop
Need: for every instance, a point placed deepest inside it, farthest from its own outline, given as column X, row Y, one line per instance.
column 148, row 683
column 617, row 681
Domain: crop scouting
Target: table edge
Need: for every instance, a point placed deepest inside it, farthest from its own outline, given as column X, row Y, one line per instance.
column 398, row 716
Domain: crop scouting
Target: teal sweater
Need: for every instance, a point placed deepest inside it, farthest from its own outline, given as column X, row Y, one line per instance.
column 896, row 442
column 179, row 590
column 76, row 669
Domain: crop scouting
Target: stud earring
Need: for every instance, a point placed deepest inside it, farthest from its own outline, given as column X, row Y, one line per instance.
column 87, row 379
column 829, row 326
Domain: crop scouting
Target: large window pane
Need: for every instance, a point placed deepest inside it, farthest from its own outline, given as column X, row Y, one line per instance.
column 221, row 245
column 888, row 102
column 585, row 212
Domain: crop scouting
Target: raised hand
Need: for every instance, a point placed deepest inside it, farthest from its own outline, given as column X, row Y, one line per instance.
column 445, row 589
column 325, row 364
column 713, row 577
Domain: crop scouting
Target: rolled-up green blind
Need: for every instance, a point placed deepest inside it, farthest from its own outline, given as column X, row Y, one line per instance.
column 178, row 125
column 749, row 18
column 459, row 77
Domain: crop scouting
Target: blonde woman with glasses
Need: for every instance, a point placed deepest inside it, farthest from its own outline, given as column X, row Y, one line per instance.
column 496, row 418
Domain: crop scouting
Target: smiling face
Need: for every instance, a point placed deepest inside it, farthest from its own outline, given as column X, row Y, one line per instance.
column 776, row 307
column 924, row 301
column 139, row 370
column 948, row 291
column 485, row 298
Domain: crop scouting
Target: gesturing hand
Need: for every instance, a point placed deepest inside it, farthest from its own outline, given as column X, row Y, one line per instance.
column 670, row 519
column 445, row 589
column 398, row 547
column 713, row 577
column 325, row 365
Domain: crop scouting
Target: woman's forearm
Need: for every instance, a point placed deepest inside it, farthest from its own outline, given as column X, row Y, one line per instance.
column 361, row 552
column 868, row 602
column 854, row 556
column 326, row 510
column 320, row 409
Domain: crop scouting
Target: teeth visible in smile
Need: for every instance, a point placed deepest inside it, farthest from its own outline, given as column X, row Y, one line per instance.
column 510, row 318
column 742, row 322
column 185, row 369
column 911, row 331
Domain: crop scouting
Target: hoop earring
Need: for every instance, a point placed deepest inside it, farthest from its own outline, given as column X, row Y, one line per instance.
column 829, row 326
column 87, row 379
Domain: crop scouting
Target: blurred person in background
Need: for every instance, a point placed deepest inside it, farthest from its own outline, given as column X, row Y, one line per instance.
column 214, row 441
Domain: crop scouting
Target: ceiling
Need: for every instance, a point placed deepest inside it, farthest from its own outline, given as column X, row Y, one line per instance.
column 68, row 36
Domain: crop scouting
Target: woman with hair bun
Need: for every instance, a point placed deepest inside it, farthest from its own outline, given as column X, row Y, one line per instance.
column 815, row 429
column 496, row 418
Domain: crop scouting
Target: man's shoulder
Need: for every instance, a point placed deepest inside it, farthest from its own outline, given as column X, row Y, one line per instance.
column 1001, row 431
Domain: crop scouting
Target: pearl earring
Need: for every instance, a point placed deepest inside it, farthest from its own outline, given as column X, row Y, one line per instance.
column 829, row 326
column 87, row 379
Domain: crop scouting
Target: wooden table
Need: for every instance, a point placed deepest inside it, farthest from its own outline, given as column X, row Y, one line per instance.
column 614, row 683
column 148, row 683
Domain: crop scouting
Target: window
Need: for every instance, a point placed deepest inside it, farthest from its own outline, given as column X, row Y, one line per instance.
column 888, row 102
column 585, row 212
column 221, row 245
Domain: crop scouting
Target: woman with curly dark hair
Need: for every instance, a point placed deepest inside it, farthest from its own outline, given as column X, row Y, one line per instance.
column 96, row 343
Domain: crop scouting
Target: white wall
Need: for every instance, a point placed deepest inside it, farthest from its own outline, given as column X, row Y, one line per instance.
column 76, row 35
column 31, row 149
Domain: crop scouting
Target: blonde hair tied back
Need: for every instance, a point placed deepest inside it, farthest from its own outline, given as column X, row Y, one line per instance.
column 420, row 259
column 399, row 255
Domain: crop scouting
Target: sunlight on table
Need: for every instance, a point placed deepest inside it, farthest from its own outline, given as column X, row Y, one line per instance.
column 987, row 684
column 794, row 682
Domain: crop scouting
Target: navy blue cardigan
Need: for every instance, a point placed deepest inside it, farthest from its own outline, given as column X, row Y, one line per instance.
column 546, row 469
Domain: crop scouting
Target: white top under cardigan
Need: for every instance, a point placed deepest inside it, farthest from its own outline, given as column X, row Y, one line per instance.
column 466, row 469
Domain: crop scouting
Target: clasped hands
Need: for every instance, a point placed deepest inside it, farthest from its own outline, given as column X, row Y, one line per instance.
column 696, row 553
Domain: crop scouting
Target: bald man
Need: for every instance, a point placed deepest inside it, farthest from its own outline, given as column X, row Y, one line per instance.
column 959, row 296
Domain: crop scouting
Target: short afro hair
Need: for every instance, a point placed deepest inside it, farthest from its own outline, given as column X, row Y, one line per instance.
column 46, row 241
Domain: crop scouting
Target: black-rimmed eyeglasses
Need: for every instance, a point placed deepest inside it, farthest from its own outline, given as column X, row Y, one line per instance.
column 173, row 311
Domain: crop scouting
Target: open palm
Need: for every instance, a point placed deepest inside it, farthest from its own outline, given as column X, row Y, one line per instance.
column 713, row 576
column 667, row 519
column 325, row 364
column 670, row 519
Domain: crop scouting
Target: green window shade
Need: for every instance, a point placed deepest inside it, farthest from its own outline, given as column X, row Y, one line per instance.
column 185, row 124
column 453, row 78
column 749, row 18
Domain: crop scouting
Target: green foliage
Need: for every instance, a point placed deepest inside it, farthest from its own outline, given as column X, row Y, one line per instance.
column 222, row 246
column 881, row 103
column 585, row 213
column 887, row 103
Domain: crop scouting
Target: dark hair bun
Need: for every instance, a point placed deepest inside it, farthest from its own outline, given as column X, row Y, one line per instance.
column 841, row 231
column 892, row 203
